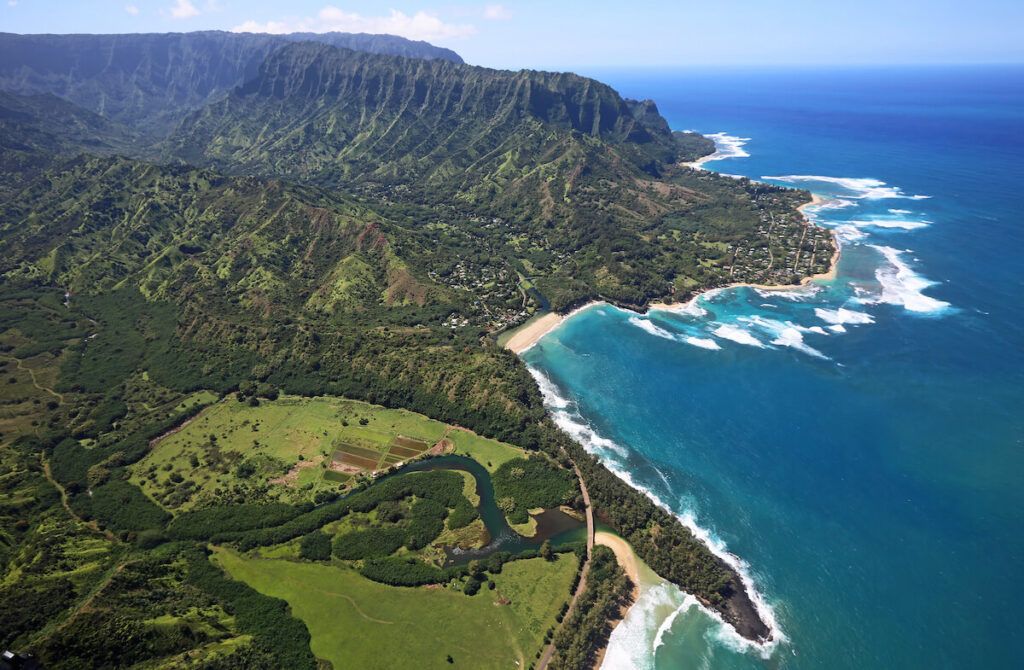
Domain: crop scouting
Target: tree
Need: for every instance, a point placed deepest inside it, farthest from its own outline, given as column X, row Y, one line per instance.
column 546, row 552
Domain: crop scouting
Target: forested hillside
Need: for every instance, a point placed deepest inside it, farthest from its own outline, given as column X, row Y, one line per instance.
column 189, row 219
column 149, row 80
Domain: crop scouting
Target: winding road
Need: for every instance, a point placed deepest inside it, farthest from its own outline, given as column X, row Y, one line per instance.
column 549, row 651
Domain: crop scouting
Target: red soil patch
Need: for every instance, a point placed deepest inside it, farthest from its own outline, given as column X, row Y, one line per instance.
column 290, row 477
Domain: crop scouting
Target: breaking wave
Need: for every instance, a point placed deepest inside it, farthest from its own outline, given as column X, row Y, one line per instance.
column 703, row 342
column 889, row 223
column 649, row 327
column 858, row 187
column 786, row 334
column 727, row 146
column 902, row 286
column 737, row 335
column 842, row 315
column 567, row 417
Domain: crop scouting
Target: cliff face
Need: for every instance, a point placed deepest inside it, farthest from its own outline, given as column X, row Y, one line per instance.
column 333, row 115
column 149, row 80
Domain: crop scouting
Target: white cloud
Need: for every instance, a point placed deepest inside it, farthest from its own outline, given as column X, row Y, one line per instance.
column 419, row 26
column 183, row 9
column 12, row 3
column 132, row 9
column 497, row 13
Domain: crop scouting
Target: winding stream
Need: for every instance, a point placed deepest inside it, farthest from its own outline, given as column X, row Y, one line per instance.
column 552, row 524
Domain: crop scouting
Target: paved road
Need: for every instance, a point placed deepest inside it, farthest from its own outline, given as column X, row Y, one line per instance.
column 545, row 658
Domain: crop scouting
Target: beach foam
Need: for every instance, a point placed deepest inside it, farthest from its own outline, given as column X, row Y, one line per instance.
column 785, row 334
column 567, row 417
column 737, row 335
column 858, row 187
column 902, row 286
column 647, row 326
column 801, row 294
column 563, row 414
column 635, row 640
column 727, row 146
column 842, row 315
column 848, row 233
column 688, row 308
column 703, row 342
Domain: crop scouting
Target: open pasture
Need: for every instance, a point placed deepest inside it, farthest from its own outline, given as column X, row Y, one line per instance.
column 293, row 446
column 355, row 622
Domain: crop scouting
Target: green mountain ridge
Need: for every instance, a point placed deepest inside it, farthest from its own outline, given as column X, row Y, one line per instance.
column 580, row 177
column 353, row 114
column 150, row 80
column 239, row 213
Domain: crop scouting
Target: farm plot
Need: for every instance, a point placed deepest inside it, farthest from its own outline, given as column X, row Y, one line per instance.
column 290, row 449
column 352, row 459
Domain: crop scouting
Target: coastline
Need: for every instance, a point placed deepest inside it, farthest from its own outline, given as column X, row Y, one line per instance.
column 744, row 611
column 804, row 282
column 643, row 579
column 626, row 557
column 531, row 332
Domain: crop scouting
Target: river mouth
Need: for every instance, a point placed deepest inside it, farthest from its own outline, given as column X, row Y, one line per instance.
column 552, row 524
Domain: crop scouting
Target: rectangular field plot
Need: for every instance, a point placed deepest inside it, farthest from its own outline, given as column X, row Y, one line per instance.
column 404, row 452
column 410, row 443
column 360, row 462
column 344, row 448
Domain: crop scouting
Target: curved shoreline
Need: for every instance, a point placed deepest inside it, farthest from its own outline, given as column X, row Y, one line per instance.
column 532, row 332
column 744, row 610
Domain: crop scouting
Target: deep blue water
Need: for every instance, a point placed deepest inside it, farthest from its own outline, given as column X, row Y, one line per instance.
column 860, row 444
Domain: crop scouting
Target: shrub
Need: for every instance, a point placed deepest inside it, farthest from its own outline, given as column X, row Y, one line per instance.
column 369, row 543
column 120, row 505
column 522, row 484
column 315, row 547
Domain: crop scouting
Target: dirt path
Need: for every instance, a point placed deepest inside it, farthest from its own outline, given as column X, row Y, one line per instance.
column 92, row 525
column 582, row 586
column 35, row 382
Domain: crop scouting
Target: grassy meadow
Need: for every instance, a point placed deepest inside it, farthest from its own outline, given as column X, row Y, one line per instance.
column 357, row 623
column 282, row 449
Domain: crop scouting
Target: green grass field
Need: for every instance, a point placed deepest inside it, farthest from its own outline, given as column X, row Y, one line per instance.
column 488, row 453
column 356, row 623
column 287, row 444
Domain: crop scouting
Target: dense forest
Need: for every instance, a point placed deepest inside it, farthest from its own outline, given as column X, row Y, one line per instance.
column 322, row 221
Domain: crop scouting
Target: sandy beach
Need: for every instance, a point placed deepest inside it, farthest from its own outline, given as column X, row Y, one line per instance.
column 532, row 331
column 624, row 555
column 529, row 333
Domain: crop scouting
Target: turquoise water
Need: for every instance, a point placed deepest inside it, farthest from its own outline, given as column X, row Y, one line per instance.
column 858, row 445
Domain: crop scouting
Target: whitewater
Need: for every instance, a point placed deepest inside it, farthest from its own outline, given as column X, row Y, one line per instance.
column 845, row 441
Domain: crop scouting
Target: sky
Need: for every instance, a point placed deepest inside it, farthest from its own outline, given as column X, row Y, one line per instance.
column 564, row 34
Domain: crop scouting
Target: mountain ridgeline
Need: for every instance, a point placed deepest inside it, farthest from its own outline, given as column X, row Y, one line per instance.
column 185, row 216
column 149, row 80
column 346, row 115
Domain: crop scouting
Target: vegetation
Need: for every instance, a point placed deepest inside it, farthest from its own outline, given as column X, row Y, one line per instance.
column 229, row 296
column 590, row 623
column 315, row 547
column 354, row 622
column 522, row 484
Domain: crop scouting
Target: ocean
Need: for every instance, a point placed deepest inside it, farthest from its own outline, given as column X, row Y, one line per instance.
column 855, row 447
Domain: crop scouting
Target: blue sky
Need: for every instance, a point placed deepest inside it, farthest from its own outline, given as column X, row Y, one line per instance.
column 575, row 33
